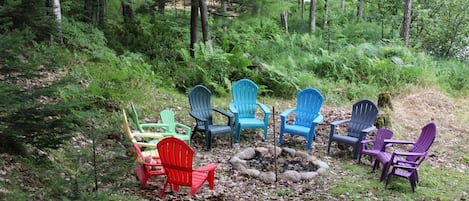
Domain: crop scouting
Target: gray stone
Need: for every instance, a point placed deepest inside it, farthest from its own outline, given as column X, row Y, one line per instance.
column 235, row 161
column 302, row 154
column 267, row 177
column 246, row 154
column 277, row 150
column 262, row 150
column 308, row 175
column 291, row 175
column 322, row 164
column 289, row 151
column 321, row 171
column 251, row 172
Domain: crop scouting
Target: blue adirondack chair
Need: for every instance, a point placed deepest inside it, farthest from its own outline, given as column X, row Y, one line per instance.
column 307, row 116
column 364, row 115
column 244, row 107
column 203, row 113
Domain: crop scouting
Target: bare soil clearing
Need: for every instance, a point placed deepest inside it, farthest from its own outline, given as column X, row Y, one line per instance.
column 411, row 113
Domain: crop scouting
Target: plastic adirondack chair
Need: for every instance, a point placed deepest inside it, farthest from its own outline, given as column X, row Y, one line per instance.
column 150, row 144
column 405, row 168
column 364, row 114
column 378, row 144
column 412, row 156
column 167, row 117
column 148, row 160
column 244, row 107
column 146, row 127
column 176, row 157
column 150, row 167
column 202, row 112
column 309, row 102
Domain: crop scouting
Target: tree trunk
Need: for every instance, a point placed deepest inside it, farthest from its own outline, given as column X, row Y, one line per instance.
column 161, row 5
column 326, row 13
column 284, row 20
column 342, row 5
column 359, row 9
column 194, row 33
column 127, row 11
column 204, row 20
column 405, row 31
column 58, row 16
column 302, row 4
column 312, row 16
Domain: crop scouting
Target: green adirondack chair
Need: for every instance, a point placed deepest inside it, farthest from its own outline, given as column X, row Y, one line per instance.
column 148, row 127
column 167, row 117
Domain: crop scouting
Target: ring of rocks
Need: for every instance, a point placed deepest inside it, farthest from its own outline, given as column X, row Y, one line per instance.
column 240, row 161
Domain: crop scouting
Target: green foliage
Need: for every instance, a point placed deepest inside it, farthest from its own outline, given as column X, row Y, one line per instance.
column 82, row 37
column 453, row 76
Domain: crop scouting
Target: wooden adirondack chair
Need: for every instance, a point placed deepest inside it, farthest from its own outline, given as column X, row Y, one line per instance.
column 147, row 127
column 412, row 158
column 364, row 114
column 176, row 157
column 244, row 107
column 378, row 144
column 201, row 110
column 167, row 117
column 307, row 116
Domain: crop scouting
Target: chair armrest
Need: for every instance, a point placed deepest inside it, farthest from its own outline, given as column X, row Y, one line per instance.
column 287, row 112
column 396, row 141
column 198, row 118
column 369, row 129
column 153, row 125
column 232, row 108
column 339, row 122
column 400, row 153
column 187, row 128
column 207, row 168
column 367, row 141
column 144, row 144
column 318, row 119
column 150, row 135
column 223, row 112
column 264, row 108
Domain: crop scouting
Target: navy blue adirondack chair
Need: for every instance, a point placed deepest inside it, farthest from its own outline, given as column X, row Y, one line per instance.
column 307, row 116
column 364, row 114
column 203, row 113
column 244, row 108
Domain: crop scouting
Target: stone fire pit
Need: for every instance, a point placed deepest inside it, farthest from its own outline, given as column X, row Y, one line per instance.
column 292, row 165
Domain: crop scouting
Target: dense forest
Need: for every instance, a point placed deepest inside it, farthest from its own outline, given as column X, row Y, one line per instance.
column 68, row 68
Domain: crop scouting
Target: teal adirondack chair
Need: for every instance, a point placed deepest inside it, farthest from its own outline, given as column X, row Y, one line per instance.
column 244, row 108
column 308, row 105
column 167, row 117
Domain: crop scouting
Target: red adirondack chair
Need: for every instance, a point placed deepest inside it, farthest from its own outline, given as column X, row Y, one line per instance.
column 151, row 167
column 176, row 157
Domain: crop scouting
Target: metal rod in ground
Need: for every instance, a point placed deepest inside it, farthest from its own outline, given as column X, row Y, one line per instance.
column 275, row 145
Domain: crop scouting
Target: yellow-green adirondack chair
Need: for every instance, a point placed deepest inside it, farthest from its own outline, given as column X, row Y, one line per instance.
column 167, row 117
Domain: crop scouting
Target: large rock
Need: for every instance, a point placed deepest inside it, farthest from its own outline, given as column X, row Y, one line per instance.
column 267, row 177
column 291, row 175
column 246, row 154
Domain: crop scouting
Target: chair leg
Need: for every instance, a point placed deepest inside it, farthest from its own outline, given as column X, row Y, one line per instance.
column 280, row 138
column 208, row 140
column 309, row 142
column 328, row 147
column 265, row 134
column 163, row 189
column 385, row 171
column 238, row 133
column 388, row 180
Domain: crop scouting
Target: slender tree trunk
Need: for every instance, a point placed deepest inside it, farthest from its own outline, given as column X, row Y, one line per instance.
column 302, row 4
column 127, row 11
column 405, row 31
column 326, row 13
column 161, row 5
column 284, row 20
column 58, row 16
column 204, row 20
column 193, row 31
column 359, row 9
column 312, row 16
column 342, row 5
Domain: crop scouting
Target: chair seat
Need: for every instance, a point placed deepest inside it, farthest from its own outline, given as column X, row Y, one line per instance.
column 218, row 129
column 297, row 130
column 251, row 123
column 345, row 139
column 198, row 179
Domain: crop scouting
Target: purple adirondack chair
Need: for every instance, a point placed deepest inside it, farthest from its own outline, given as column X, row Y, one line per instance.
column 378, row 144
column 405, row 164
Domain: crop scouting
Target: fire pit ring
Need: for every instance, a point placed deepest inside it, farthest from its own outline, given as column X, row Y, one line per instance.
column 292, row 165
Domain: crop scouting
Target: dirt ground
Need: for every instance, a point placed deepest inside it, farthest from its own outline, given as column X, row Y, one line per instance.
column 410, row 113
